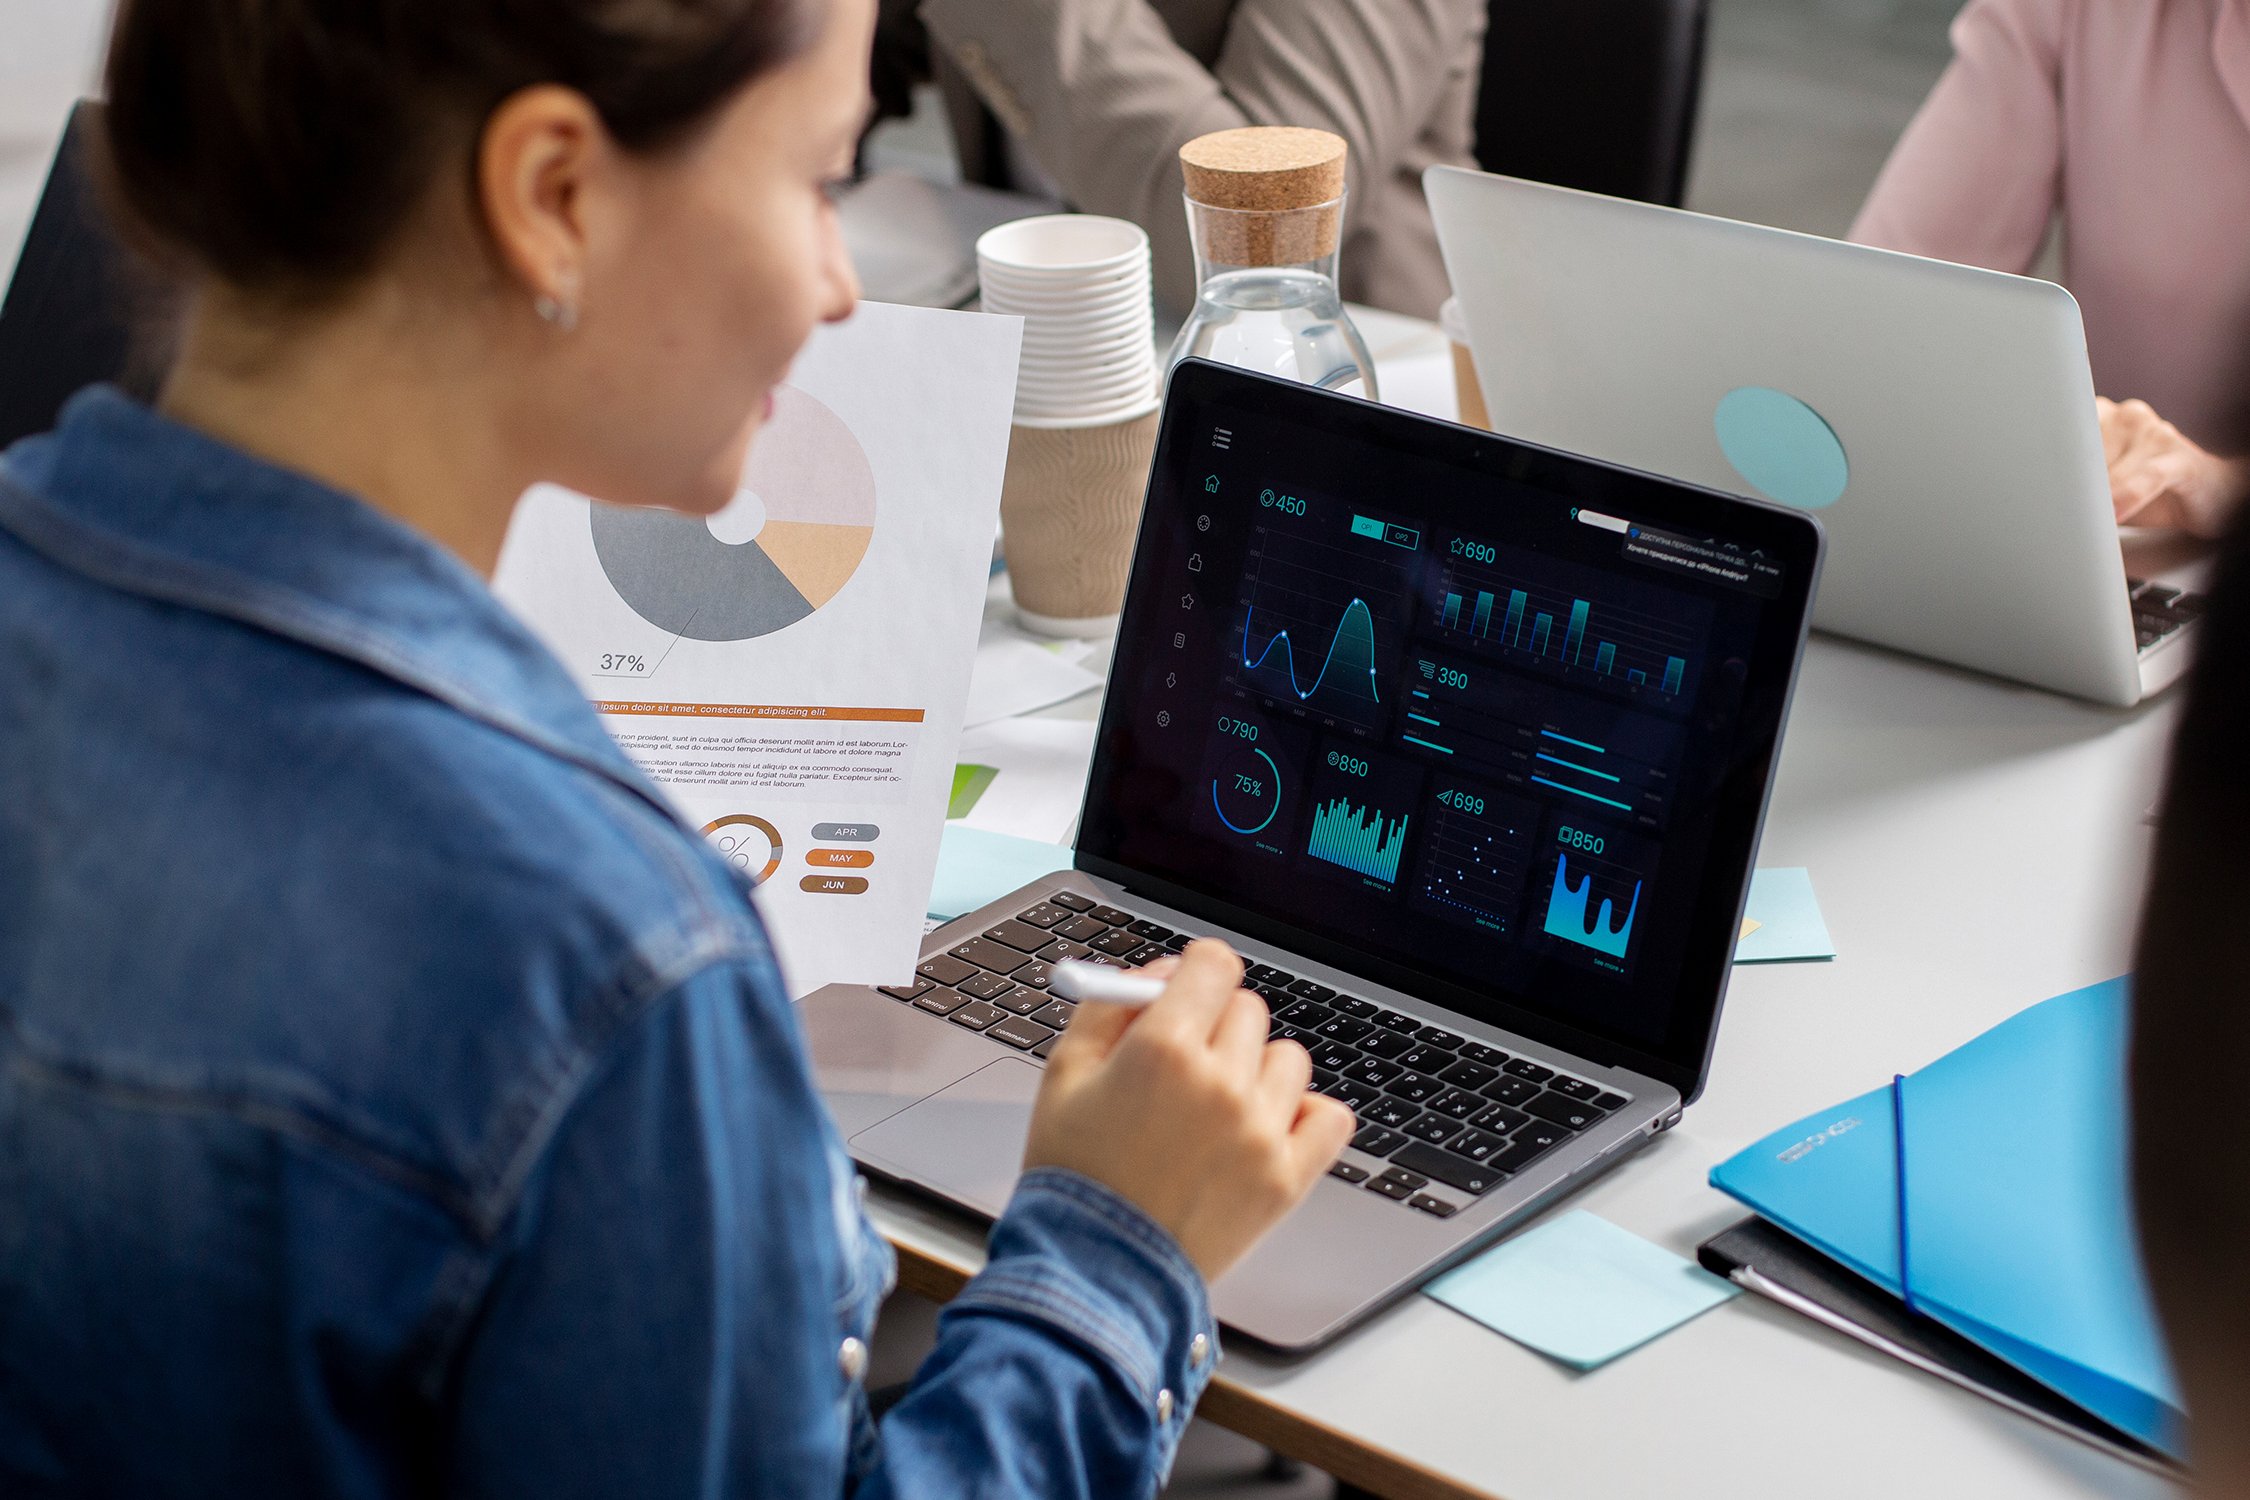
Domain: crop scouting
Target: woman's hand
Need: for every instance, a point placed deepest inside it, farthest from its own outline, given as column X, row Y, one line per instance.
column 1187, row 1110
column 2159, row 477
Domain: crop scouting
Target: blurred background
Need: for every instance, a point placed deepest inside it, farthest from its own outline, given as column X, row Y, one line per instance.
column 1801, row 99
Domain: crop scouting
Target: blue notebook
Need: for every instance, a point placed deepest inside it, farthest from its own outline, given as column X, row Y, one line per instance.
column 1989, row 1191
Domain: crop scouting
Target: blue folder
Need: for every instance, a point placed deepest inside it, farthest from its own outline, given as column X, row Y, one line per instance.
column 1989, row 1191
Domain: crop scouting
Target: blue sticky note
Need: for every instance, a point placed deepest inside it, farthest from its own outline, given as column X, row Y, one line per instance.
column 1782, row 921
column 975, row 867
column 1580, row 1290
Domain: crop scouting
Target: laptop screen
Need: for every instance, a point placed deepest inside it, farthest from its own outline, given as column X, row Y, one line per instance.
column 1479, row 721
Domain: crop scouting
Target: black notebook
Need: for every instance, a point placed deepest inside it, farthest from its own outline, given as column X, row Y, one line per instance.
column 1762, row 1258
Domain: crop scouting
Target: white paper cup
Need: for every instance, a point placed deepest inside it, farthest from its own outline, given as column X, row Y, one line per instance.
column 1123, row 398
column 1086, row 361
column 1074, row 290
column 1066, row 336
column 1073, row 306
column 1080, row 359
column 1061, row 387
column 1128, row 325
column 1081, row 283
column 1107, row 276
column 1086, row 403
column 1123, row 411
column 1062, row 243
column 1068, row 275
column 1073, row 351
column 1123, row 328
column 1079, row 307
column 1078, row 353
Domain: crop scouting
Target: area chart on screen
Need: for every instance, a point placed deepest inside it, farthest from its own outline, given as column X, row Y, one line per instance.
column 1348, row 665
column 1568, row 917
column 1315, row 605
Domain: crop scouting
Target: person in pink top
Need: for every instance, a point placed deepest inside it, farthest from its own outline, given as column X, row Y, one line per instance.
column 2130, row 119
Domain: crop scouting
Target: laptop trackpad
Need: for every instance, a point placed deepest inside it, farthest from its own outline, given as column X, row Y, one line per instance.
column 964, row 1142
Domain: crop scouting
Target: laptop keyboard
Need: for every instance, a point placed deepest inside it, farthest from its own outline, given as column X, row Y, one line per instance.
column 1433, row 1105
column 2160, row 612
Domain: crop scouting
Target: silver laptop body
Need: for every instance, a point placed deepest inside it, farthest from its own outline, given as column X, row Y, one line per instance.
column 1480, row 1100
column 1974, row 524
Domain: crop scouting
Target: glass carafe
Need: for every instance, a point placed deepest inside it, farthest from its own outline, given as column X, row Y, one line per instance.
column 1266, row 297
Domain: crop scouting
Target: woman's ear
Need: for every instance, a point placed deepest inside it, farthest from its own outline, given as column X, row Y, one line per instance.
column 536, row 164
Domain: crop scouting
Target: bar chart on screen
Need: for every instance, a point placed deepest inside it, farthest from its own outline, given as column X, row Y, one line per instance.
column 1362, row 807
column 1643, row 650
column 1365, row 839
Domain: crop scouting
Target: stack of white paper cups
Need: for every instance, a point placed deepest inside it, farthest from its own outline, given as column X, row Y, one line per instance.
column 1085, row 423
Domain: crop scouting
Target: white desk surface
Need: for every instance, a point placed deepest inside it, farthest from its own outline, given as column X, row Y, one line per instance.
column 1975, row 847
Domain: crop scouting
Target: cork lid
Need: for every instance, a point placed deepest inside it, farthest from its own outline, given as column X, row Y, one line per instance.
column 1264, row 167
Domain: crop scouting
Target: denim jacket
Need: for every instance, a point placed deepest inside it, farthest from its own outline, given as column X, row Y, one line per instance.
column 395, row 1097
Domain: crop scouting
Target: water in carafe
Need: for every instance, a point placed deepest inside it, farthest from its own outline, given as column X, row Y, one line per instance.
column 1266, row 297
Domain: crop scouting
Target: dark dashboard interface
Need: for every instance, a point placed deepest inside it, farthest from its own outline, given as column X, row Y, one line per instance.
column 1473, row 710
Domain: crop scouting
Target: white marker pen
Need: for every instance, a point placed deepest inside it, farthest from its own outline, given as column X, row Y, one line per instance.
column 1076, row 980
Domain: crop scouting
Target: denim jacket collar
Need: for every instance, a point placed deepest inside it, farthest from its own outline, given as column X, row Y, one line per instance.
column 136, row 501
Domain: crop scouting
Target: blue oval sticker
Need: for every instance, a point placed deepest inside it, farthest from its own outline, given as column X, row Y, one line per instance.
column 1782, row 447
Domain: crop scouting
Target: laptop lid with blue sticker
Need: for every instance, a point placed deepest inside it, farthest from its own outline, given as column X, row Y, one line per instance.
column 1938, row 418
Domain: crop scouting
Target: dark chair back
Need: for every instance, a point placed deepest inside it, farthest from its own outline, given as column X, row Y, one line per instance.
column 69, row 316
column 1593, row 94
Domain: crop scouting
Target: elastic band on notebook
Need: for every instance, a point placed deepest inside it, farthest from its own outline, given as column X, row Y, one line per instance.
column 1898, row 1170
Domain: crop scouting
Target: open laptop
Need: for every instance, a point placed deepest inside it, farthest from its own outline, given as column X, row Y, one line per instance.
column 68, row 319
column 1464, row 744
column 1940, row 418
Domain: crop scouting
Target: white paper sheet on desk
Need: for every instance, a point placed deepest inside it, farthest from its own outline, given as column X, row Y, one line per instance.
column 1039, row 776
column 797, row 687
column 1015, row 675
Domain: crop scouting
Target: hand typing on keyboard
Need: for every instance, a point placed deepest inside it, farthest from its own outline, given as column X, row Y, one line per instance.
column 2158, row 476
column 1188, row 1110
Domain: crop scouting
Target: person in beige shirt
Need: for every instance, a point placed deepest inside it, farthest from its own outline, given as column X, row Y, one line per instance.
column 1091, row 101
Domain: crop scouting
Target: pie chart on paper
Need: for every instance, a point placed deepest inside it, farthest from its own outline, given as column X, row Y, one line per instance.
column 786, row 545
column 749, row 843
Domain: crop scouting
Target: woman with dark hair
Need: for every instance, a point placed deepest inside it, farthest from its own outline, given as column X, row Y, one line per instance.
column 2191, row 1032
column 395, row 1097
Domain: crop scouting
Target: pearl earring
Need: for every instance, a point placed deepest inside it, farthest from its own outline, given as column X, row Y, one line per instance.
column 562, row 310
